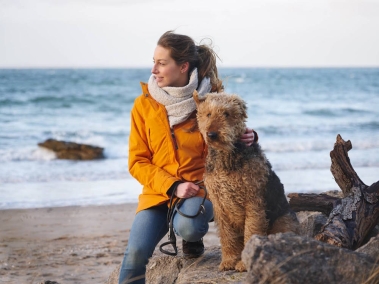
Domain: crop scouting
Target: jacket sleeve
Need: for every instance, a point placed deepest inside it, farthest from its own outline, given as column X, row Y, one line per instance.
column 140, row 156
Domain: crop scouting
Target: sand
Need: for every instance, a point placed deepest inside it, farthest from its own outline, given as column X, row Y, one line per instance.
column 67, row 244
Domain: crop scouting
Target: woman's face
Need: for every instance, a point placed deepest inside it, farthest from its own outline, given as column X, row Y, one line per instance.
column 167, row 73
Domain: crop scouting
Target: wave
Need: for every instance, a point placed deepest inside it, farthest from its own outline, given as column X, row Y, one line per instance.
column 279, row 147
column 371, row 125
column 93, row 105
column 315, row 145
column 280, row 127
column 42, row 154
column 55, row 99
column 120, row 151
column 63, row 170
column 40, row 165
column 324, row 166
column 63, row 176
column 323, row 112
column 7, row 102
column 27, row 154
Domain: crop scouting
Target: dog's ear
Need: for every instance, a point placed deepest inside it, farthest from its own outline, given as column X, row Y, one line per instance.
column 197, row 99
column 241, row 104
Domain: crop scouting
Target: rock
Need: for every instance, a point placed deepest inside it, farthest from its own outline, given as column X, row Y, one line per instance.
column 73, row 151
column 310, row 222
column 280, row 258
column 196, row 270
column 290, row 258
column 370, row 248
column 113, row 278
column 163, row 269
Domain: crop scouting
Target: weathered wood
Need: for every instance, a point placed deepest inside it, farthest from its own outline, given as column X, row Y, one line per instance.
column 355, row 215
column 341, row 168
column 323, row 203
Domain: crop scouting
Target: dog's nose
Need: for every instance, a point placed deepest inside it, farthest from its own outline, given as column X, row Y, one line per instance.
column 212, row 135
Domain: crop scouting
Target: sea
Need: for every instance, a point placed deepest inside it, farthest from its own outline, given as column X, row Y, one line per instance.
column 297, row 112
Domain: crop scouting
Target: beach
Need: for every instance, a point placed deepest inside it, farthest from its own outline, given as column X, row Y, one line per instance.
column 68, row 221
column 73, row 244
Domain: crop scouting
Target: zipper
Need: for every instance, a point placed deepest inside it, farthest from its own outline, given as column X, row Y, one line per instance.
column 174, row 139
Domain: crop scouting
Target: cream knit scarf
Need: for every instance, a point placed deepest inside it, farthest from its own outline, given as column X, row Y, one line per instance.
column 178, row 101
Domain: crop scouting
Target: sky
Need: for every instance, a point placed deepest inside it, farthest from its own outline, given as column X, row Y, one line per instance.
column 244, row 33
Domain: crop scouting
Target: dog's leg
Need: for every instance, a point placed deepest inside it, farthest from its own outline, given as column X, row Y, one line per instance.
column 255, row 224
column 231, row 246
column 255, row 221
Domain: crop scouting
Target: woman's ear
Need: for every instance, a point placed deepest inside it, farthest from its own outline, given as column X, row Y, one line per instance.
column 184, row 67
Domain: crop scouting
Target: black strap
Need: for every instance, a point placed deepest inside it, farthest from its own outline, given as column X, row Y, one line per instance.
column 171, row 233
column 170, row 218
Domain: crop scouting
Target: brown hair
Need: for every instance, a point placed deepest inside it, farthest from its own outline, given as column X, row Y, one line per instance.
column 183, row 49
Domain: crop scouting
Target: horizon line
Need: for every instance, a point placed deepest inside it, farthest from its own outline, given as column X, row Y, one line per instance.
column 219, row 67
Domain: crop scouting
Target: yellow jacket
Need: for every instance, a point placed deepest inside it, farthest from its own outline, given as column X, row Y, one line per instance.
column 160, row 156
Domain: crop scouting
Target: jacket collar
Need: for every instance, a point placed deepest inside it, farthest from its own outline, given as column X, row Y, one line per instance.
column 145, row 89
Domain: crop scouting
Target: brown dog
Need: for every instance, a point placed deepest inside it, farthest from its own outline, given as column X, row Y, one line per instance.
column 248, row 197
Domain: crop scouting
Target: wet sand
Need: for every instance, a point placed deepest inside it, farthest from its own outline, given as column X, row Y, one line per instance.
column 67, row 244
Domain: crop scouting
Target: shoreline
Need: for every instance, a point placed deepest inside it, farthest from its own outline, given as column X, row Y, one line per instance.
column 121, row 191
column 73, row 244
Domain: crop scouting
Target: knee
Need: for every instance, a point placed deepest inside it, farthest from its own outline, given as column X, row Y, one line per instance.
column 136, row 256
column 191, row 229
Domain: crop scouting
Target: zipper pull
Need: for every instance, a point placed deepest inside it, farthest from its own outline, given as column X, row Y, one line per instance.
column 174, row 139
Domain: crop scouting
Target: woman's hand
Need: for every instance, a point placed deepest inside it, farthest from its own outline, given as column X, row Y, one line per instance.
column 186, row 190
column 249, row 137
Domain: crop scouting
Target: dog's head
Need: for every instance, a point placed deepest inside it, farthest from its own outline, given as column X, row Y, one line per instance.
column 221, row 119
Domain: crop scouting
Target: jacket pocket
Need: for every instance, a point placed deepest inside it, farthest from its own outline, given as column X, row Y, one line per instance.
column 157, row 137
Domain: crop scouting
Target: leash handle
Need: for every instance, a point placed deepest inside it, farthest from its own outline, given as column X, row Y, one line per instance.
column 171, row 242
column 170, row 216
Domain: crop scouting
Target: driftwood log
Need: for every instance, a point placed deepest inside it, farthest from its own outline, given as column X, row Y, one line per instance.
column 323, row 203
column 352, row 217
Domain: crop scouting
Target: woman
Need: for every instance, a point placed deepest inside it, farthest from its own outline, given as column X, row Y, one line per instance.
column 167, row 152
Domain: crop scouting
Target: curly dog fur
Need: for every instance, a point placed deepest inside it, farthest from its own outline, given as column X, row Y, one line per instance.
column 247, row 196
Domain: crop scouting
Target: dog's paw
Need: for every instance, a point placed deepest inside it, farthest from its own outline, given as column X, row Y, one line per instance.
column 227, row 265
column 240, row 266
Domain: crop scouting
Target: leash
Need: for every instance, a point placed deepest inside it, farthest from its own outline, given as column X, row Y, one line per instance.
column 174, row 206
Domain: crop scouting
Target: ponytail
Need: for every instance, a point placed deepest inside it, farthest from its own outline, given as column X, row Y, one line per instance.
column 207, row 66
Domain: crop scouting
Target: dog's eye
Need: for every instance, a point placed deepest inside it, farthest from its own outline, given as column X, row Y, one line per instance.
column 208, row 115
column 226, row 114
